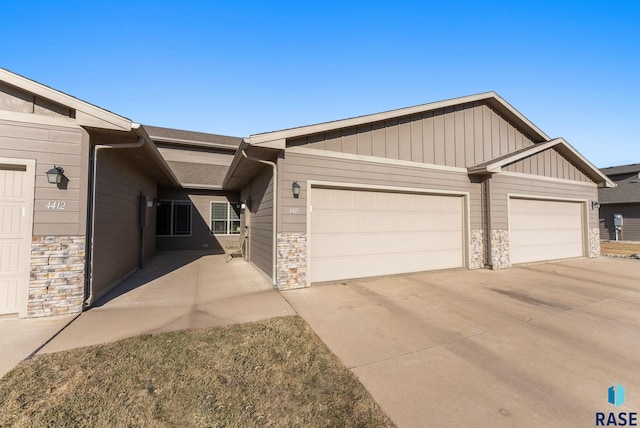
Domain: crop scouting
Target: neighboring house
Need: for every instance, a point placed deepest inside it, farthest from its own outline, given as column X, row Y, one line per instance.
column 463, row 183
column 624, row 199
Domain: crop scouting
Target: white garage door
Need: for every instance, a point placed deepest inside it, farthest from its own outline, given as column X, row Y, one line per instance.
column 366, row 233
column 545, row 230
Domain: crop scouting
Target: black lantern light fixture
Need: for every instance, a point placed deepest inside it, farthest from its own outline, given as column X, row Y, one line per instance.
column 295, row 188
column 55, row 174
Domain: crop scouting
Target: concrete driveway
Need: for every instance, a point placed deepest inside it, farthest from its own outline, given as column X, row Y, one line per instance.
column 536, row 345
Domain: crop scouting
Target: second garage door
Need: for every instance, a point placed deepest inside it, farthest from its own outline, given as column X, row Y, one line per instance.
column 545, row 230
column 358, row 233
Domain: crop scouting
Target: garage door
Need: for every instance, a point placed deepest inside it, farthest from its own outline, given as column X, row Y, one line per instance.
column 545, row 230
column 365, row 233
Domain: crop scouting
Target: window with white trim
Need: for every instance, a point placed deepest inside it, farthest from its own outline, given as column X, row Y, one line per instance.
column 173, row 218
column 225, row 218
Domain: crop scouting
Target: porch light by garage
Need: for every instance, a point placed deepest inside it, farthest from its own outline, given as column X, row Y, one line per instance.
column 295, row 188
column 55, row 174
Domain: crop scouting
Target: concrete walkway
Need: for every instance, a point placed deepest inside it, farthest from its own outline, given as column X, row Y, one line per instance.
column 174, row 291
column 19, row 338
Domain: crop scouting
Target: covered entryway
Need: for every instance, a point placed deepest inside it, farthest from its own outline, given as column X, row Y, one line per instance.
column 545, row 229
column 16, row 207
column 361, row 233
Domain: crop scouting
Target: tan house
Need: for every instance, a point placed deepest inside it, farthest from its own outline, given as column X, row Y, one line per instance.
column 464, row 183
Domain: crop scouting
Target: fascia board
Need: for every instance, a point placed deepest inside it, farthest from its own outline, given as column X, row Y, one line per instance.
column 234, row 163
column 155, row 153
column 537, row 148
column 86, row 114
column 279, row 143
column 497, row 166
column 606, row 181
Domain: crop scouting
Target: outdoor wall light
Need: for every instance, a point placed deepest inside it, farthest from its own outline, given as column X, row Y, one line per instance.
column 595, row 205
column 55, row 174
column 295, row 188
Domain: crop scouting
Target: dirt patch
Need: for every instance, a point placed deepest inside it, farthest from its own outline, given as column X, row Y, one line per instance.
column 619, row 248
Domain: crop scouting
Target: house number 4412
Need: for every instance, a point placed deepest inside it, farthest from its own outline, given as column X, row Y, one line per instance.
column 56, row 205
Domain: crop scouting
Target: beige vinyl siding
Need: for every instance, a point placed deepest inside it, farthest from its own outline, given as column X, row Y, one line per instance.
column 259, row 196
column 302, row 167
column 201, row 238
column 460, row 136
column 51, row 145
column 502, row 185
column 548, row 163
column 630, row 218
column 117, row 233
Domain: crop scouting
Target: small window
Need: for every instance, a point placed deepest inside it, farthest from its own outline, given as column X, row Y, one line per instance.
column 173, row 218
column 225, row 218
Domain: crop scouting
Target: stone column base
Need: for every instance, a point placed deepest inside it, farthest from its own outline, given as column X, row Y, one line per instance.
column 500, row 258
column 56, row 284
column 594, row 242
column 476, row 250
column 292, row 260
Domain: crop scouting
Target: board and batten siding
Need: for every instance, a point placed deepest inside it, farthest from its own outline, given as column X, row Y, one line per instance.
column 117, row 231
column 548, row 163
column 51, row 145
column 460, row 136
column 258, row 217
column 201, row 238
column 303, row 167
column 630, row 221
column 502, row 185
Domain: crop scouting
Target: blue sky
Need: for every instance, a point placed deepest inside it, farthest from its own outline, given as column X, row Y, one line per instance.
column 239, row 68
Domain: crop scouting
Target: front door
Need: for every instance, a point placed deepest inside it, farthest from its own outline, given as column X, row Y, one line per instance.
column 16, row 205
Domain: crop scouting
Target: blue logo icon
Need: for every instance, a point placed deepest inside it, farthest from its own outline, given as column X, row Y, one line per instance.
column 616, row 395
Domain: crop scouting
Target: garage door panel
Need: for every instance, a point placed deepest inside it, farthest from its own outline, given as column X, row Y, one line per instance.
column 384, row 242
column 545, row 230
column 363, row 233
column 384, row 264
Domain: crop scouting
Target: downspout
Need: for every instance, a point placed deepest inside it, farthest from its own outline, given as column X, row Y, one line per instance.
column 89, row 300
column 275, row 217
column 487, row 225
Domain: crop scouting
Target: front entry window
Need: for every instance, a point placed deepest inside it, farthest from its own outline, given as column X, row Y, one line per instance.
column 225, row 218
column 173, row 218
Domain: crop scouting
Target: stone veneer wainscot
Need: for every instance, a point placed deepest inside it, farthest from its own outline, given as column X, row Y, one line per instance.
column 292, row 260
column 56, row 284
column 500, row 248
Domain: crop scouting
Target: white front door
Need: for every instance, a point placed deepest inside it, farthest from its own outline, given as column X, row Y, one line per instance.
column 16, row 207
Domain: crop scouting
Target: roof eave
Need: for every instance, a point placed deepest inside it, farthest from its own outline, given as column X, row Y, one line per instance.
column 86, row 114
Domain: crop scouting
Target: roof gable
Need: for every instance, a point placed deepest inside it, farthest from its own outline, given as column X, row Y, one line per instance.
column 459, row 136
column 277, row 139
column 48, row 100
column 567, row 152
